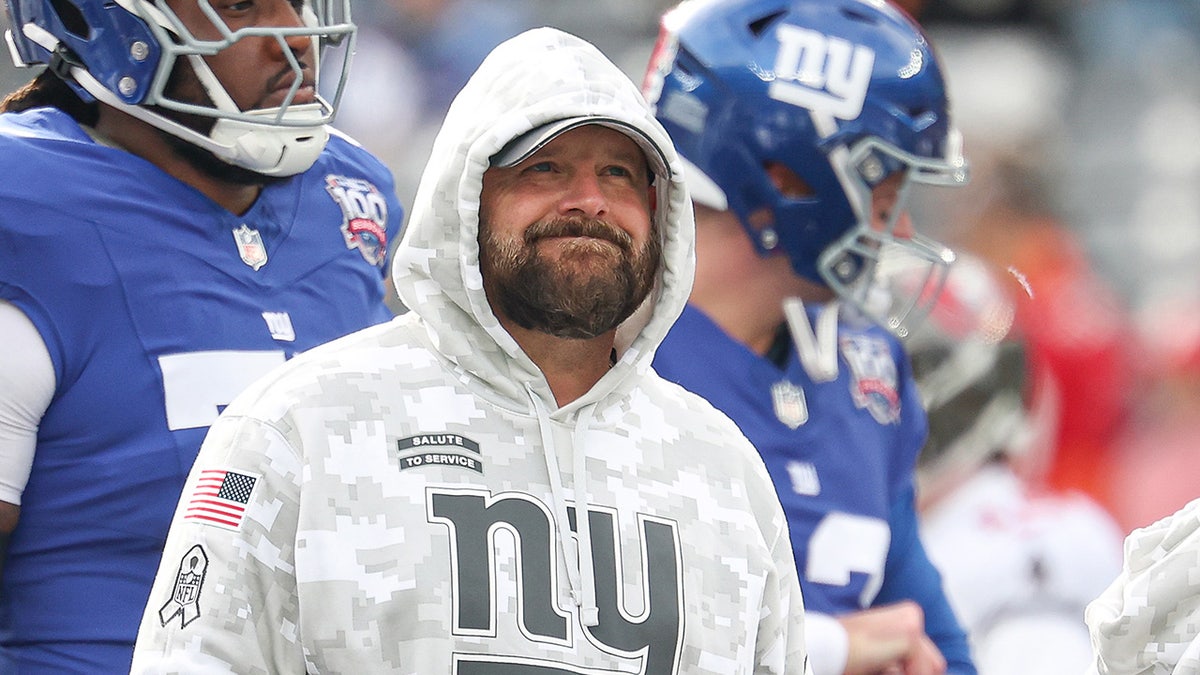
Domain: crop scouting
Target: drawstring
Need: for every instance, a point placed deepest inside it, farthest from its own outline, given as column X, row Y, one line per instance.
column 589, row 613
column 577, row 553
column 818, row 352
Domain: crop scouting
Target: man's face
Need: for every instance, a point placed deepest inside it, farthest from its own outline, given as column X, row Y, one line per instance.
column 254, row 71
column 567, row 245
column 884, row 198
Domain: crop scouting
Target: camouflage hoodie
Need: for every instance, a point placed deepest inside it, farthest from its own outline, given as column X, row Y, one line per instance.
column 408, row 499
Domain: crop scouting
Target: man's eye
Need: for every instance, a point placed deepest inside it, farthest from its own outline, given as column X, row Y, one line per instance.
column 540, row 167
column 618, row 171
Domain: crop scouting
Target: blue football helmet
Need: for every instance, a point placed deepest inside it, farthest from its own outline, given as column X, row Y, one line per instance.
column 844, row 94
column 122, row 53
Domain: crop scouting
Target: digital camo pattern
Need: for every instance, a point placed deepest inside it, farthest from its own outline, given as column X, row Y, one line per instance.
column 1148, row 620
column 403, row 519
column 347, row 562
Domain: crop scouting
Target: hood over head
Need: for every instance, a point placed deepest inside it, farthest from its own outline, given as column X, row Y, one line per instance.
column 526, row 92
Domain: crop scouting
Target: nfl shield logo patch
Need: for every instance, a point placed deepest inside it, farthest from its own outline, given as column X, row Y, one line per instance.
column 185, row 596
column 250, row 247
column 790, row 406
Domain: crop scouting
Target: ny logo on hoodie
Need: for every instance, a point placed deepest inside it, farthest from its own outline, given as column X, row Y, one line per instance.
column 473, row 518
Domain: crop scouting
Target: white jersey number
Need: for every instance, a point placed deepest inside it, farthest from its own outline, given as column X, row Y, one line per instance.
column 845, row 542
column 198, row 385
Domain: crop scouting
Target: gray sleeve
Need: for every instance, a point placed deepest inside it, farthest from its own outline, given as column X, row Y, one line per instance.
column 791, row 606
column 782, row 647
column 27, row 384
column 224, row 599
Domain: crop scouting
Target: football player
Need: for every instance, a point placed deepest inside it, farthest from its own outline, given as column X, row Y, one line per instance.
column 1020, row 561
column 804, row 124
column 176, row 218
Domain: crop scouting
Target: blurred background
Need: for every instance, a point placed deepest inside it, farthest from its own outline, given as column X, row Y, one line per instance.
column 1082, row 124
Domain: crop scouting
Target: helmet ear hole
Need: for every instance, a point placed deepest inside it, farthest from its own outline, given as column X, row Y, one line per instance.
column 789, row 184
column 759, row 26
column 854, row 14
column 72, row 19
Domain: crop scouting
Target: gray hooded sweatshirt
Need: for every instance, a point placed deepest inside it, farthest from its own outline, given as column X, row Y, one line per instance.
column 410, row 498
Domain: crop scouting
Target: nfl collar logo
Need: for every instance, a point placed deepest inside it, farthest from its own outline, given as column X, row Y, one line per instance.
column 790, row 406
column 250, row 247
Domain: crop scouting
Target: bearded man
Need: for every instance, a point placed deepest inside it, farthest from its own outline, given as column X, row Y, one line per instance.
column 496, row 481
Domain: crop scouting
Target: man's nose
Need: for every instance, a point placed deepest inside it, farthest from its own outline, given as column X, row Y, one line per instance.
column 287, row 16
column 584, row 194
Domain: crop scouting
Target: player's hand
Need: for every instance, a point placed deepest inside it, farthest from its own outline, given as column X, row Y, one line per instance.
column 891, row 640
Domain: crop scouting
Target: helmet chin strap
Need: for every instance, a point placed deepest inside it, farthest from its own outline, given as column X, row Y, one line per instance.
column 272, row 151
column 269, row 150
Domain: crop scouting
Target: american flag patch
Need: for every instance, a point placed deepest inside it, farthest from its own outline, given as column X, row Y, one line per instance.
column 220, row 498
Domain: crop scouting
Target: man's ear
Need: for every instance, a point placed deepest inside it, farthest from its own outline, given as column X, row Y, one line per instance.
column 653, row 199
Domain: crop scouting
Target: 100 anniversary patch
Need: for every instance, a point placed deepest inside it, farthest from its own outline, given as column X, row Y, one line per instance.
column 427, row 450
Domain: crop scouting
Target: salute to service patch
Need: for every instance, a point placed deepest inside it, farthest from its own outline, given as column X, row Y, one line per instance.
column 439, row 450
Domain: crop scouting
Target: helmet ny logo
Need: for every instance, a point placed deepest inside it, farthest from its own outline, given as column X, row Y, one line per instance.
column 821, row 73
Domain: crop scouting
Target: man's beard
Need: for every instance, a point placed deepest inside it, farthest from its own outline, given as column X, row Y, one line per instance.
column 587, row 292
column 209, row 164
column 184, row 86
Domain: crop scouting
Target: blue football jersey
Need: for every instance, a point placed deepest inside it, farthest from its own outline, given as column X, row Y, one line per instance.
column 157, row 307
column 841, row 453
